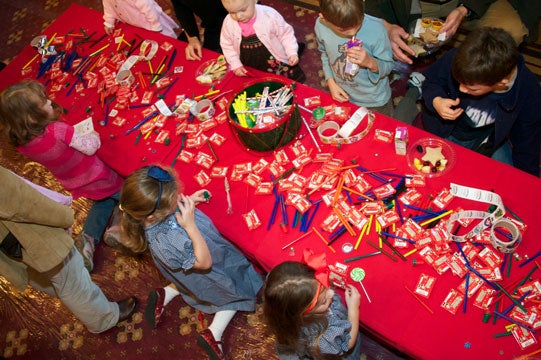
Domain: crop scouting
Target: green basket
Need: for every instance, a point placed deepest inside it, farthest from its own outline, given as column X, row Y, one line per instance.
column 271, row 137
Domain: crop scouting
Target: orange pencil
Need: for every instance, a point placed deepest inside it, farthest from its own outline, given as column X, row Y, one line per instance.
column 322, row 238
column 419, row 300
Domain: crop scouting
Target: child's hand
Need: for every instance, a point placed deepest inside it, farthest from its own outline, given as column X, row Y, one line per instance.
column 185, row 214
column 109, row 29
column 240, row 71
column 336, row 91
column 446, row 108
column 293, row 60
column 353, row 297
column 358, row 55
column 194, row 49
column 201, row 196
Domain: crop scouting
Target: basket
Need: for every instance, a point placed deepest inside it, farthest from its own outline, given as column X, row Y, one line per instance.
column 273, row 136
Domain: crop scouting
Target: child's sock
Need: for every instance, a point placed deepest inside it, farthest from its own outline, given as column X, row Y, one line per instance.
column 170, row 294
column 220, row 322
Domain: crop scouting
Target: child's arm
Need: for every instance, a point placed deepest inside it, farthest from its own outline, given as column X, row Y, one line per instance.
column 146, row 11
column 88, row 144
column 231, row 53
column 353, row 299
column 201, row 196
column 186, row 218
column 109, row 16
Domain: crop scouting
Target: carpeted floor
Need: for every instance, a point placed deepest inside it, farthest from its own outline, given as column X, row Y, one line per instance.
column 35, row 326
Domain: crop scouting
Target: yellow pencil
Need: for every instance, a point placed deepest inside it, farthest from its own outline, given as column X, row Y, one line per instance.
column 369, row 224
column 360, row 236
column 99, row 50
column 120, row 42
column 410, row 252
column 31, row 61
column 436, row 218
column 50, row 41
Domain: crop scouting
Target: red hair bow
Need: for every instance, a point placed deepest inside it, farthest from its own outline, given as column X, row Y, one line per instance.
column 318, row 262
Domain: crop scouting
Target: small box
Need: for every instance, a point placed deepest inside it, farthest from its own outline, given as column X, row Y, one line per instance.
column 401, row 140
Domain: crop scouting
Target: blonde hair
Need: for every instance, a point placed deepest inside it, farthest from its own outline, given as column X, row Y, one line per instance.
column 141, row 199
column 289, row 289
column 22, row 114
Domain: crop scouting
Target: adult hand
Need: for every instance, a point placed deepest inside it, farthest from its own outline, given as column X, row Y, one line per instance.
column 336, row 91
column 445, row 108
column 453, row 21
column 199, row 197
column 194, row 49
column 397, row 37
column 353, row 297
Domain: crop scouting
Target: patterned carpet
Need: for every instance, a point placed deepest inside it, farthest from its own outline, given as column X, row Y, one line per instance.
column 35, row 326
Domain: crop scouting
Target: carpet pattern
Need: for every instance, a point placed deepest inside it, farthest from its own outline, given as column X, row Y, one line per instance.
column 36, row 326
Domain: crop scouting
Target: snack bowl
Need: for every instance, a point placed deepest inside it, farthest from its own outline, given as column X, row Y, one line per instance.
column 424, row 38
column 211, row 72
column 431, row 157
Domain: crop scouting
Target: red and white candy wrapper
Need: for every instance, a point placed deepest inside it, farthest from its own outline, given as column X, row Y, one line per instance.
column 338, row 275
column 441, row 264
column 425, row 285
column 412, row 230
column 205, row 160
column 443, row 199
column 276, row 169
column 208, row 124
column 119, row 121
column 357, row 218
column 428, row 255
column 301, row 160
column 456, row 264
column 410, row 197
column 281, row 157
column 388, row 218
column 524, row 337
column 362, row 185
column 372, row 208
column 217, row 139
column 264, row 188
column 474, row 284
column 222, row 104
column 194, row 142
column 313, row 101
column 219, row 171
column 384, row 191
column 252, row 220
column 297, row 148
column 260, row 166
column 323, row 157
column 413, row 181
column 163, row 135
column 202, row 178
column 452, row 301
column 299, row 202
column 490, row 258
column 253, row 180
column 485, row 297
column 330, row 223
column 383, row 135
column 534, row 287
column 186, row 156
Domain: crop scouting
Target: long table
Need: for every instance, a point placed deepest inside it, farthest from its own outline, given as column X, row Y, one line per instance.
column 419, row 327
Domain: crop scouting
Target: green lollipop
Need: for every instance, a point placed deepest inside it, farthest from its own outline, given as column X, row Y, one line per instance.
column 357, row 274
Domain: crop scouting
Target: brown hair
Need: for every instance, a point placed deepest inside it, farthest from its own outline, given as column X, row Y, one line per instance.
column 342, row 13
column 486, row 57
column 21, row 111
column 289, row 289
column 138, row 200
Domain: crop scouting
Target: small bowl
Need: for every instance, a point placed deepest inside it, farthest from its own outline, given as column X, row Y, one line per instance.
column 434, row 164
column 214, row 79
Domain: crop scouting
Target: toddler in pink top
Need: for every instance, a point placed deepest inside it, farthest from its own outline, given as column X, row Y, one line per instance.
column 258, row 36
column 146, row 14
column 30, row 121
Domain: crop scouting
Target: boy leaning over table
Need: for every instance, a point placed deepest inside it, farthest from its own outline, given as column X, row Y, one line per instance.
column 483, row 97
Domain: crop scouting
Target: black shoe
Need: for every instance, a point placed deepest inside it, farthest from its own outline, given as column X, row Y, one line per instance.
column 302, row 46
column 126, row 308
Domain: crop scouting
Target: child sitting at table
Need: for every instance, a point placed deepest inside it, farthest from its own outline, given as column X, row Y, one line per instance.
column 483, row 97
column 30, row 121
column 308, row 319
column 258, row 36
column 146, row 14
column 356, row 55
column 210, row 273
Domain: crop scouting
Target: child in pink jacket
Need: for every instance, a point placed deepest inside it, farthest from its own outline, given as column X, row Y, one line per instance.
column 258, row 36
column 146, row 14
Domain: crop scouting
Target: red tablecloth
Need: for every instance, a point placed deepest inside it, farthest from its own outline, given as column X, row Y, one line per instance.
column 393, row 313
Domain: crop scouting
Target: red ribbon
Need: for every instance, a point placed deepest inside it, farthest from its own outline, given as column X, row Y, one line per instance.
column 318, row 262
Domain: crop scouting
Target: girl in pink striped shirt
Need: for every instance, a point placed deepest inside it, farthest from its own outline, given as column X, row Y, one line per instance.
column 30, row 120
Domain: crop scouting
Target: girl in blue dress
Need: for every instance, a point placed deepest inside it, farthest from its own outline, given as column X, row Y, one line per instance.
column 209, row 272
column 309, row 319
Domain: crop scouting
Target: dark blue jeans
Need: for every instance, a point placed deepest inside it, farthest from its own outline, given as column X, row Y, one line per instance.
column 99, row 215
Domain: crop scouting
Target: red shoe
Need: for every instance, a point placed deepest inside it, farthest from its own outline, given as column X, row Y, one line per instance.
column 154, row 308
column 206, row 340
